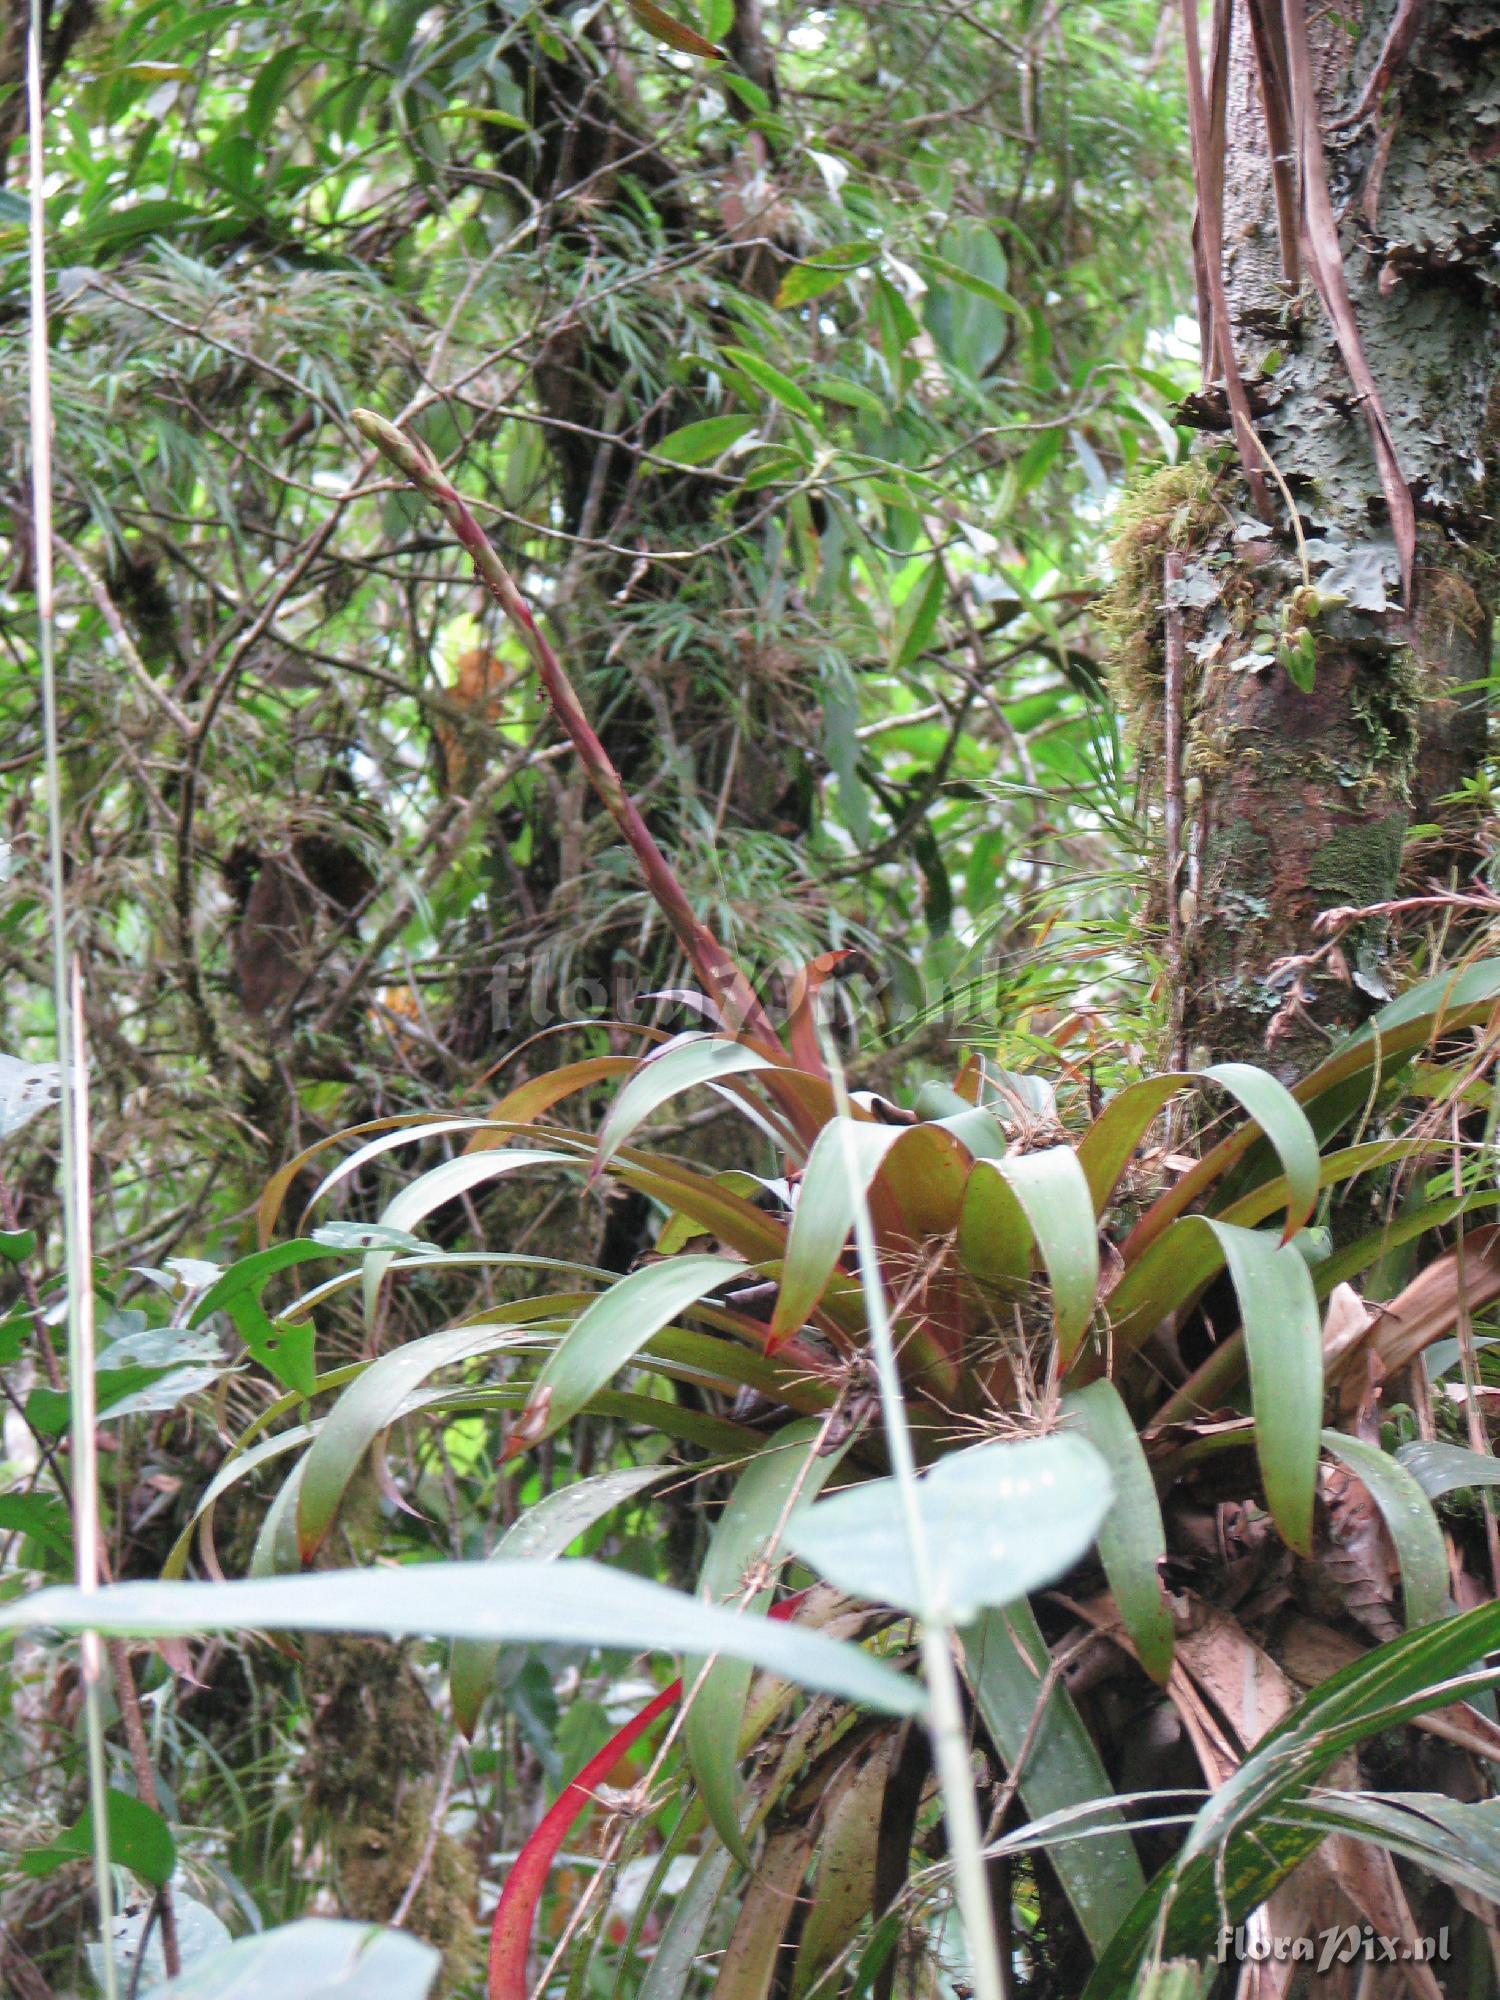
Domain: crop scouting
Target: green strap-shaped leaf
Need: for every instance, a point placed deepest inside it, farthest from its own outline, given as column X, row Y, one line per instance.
column 715, row 1715
column 1413, row 1527
column 612, row 1331
column 675, row 1959
column 541, row 1534
column 428, row 1191
column 1132, row 1540
column 369, row 1406
column 1447, row 1468
column 679, row 1065
column 1242, row 1844
column 1106, row 1147
column 1041, row 1737
column 845, row 1159
column 570, row 1602
column 1052, row 1192
column 1283, row 1340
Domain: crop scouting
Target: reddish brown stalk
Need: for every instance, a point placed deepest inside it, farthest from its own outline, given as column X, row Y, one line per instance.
column 742, row 1012
column 1208, row 176
column 1326, row 257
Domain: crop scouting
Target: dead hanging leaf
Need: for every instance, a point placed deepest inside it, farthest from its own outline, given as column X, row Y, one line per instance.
column 1429, row 1306
column 1355, row 1552
column 676, row 34
column 1366, row 1877
column 1244, row 1683
column 1311, row 1651
column 1345, row 1323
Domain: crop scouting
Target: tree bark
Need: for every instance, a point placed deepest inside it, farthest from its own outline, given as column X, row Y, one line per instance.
column 1298, row 798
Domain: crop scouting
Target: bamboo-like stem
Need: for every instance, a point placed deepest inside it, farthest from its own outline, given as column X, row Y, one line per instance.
column 67, row 1004
column 727, row 986
column 946, row 1725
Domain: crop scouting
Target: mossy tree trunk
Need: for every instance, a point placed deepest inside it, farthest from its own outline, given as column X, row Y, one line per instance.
column 1289, row 799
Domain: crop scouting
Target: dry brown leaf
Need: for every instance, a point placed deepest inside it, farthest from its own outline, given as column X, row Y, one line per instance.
column 1354, row 1549
column 1428, row 1308
column 1311, row 1651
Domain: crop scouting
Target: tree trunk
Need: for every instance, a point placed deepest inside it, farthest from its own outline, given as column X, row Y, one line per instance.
column 1323, row 704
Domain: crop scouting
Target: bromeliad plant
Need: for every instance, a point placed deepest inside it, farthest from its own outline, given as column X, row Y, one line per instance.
column 991, row 1291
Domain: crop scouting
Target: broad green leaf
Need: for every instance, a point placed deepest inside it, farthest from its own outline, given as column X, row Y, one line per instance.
column 1105, row 1149
column 370, row 1406
column 317, row 1958
column 919, row 615
column 823, row 272
column 613, row 1329
column 781, row 388
column 569, row 1602
column 1033, row 1723
column 696, row 444
column 283, row 1349
column 1410, row 1522
column 1283, row 1340
column 675, row 1067
column 541, row 1534
column 44, row 1521
column 845, row 1158
column 1132, row 1540
column 1446, row 1468
column 1052, row 1193
column 676, row 1958
column 762, row 1495
column 16, row 1245
column 999, row 1520
column 139, row 1839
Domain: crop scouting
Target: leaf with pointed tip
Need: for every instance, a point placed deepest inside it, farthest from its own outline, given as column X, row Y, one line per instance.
column 570, row 1602
column 139, row 1839
column 613, row 1329
column 1106, row 1147
column 684, row 1063
column 1283, row 1339
column 447, row 1182
column 369, row 1406
column 1132, row 1540
column 1421, row 1553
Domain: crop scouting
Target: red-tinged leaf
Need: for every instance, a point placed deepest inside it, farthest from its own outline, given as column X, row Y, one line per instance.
column 676, row 34
column 802, row 1018
column 510, row 1933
